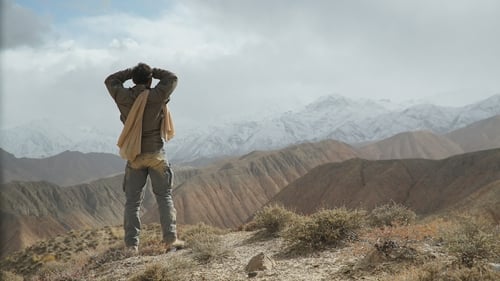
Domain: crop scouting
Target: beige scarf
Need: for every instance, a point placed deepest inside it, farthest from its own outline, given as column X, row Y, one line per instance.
column 129, row 141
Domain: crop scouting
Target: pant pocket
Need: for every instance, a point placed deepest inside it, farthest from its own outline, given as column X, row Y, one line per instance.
column 169, row 173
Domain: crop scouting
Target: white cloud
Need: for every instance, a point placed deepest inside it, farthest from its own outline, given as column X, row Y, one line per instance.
column 236, row 58
column 21, row 26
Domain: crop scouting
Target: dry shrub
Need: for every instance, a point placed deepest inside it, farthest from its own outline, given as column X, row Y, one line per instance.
column 111, row 254
column 190, row 231
column 473, row 240
column 58, row 271
column 391, row 214
column 205, row 242
column 177, row 269
column 9, row 276
column 442, row 272
column 151, row 241
column 274, row 219
column 324, row 228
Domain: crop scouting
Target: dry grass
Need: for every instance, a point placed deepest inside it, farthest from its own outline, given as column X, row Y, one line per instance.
column 323, row 229
column 434, row 249
column 205, row 242
column 178, row 269
column 437, row 271
column 274, row 220
column 391, row 214
column 9, row 276
column 473, row 240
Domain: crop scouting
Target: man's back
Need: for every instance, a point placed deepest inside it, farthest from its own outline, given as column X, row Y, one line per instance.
column 153, row 114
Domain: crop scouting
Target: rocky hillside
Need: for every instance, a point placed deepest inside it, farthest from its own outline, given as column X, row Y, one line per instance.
column 484, row 134
column 227, row 193
column 422, row 250
column 65, row 169
column 427, row 186
column 419, row 144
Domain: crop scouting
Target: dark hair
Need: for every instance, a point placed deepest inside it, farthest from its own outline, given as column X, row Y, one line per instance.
column 142, row 73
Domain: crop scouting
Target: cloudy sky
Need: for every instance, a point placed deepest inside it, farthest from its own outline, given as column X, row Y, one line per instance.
column 238, row 59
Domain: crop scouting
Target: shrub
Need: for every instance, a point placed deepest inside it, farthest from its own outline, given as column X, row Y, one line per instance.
column 177, row 269
column 9, row 276
column 439, row 272
column 57, row 271
column 111, row 254
column 472, row 240
column 205, row 242
column 207, row 247
column 274, row 219
column 324, row 228
column 391, row 214
column 190, row 232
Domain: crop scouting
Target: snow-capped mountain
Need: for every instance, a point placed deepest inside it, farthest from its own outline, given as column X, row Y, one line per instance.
column 43, row 138
column 330, row 117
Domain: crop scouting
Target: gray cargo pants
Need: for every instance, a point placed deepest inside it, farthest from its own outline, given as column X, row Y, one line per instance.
column 156, row 166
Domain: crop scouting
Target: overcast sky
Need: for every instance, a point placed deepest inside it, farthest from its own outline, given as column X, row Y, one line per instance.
column 241, row 58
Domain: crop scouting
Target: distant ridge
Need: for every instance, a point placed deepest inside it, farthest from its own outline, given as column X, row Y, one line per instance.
column 484, row 134
column 228, row 191
column 418, row 144
column 66, row 168
column 224, row 194
column 336, row 117
column 427, row 186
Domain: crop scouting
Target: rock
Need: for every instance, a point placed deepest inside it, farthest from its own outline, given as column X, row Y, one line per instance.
column 252, row 274
column 260, row 262
column 495, row 266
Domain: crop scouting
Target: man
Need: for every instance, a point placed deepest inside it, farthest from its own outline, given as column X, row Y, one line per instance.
column 145, row 117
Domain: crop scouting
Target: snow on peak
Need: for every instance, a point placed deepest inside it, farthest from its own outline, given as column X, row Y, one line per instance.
column 329, row 117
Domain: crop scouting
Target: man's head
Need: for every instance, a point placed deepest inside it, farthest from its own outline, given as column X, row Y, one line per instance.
column 142, row 74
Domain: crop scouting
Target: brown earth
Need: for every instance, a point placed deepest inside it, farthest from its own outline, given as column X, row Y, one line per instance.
column 65, row 169
column 228, row 192
column 419, row 144
column 484, row 134
column 426, row 186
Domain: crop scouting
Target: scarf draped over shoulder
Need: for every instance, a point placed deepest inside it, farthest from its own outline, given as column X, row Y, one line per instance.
column 129, row 141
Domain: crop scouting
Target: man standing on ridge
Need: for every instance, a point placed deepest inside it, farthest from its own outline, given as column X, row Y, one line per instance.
column 147, row 126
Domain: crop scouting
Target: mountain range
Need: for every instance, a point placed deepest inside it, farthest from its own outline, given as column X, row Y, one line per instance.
column 229, row 191
column 64, row 169
column 71, row 167
column 331, row 117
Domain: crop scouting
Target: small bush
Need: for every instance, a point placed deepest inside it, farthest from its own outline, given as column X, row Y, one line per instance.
column 9, row 276
column 190, row 232
column 439, row 272
column 324, row 228
column 57, row 271
column 391, row 214
column 205, row 242
column 177, row 269
column 274, row 219
column 111, row 254
column 207, row 248
column 473, row 240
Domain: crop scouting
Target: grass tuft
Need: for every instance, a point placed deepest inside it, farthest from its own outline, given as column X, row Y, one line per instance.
column 274, row 219
column 177, row 269
column 391, row 214
column 205, row 242
column 323, row 229
column 473, row 240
